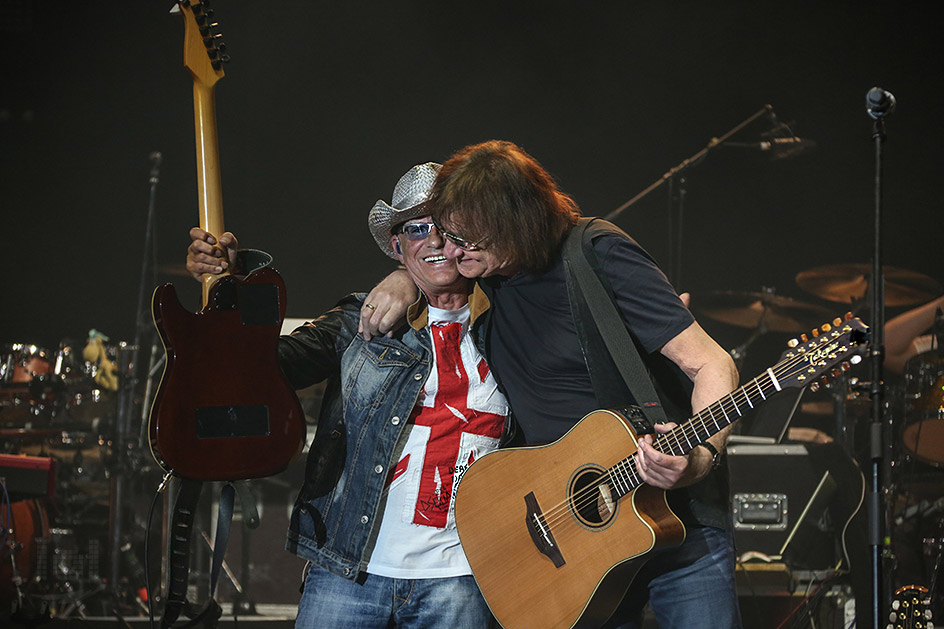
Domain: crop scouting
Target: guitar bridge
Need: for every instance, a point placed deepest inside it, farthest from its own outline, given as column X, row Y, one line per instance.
column 540, row 532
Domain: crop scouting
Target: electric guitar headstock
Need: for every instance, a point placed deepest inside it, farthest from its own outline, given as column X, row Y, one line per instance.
column 827, row 352
column 204, row 50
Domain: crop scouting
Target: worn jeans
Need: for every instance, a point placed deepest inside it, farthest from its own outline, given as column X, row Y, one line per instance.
column 380, row 602
column 690, row 586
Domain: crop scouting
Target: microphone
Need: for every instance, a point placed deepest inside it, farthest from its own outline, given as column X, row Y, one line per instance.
column 879, row 103
column 156, row 159
column 779, row 148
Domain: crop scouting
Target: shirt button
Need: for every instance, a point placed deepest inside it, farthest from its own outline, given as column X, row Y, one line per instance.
column 417, row 376
column 364, row 519
column 379, row 469
column 395, row 421
column 347, row 571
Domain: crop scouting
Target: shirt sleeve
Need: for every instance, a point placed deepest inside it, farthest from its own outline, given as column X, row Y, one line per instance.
column 648, row 303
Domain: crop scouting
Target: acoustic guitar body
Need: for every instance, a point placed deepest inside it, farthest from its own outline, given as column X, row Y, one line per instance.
column 224, row 409
column 574, row 566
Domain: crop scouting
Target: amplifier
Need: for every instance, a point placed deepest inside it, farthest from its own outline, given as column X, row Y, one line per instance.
column 778, row 494
column 28, row 476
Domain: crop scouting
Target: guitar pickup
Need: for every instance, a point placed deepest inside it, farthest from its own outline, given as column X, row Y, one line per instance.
column 540, row 532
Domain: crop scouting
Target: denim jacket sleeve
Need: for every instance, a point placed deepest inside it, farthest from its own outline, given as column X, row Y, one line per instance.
column 313, row 351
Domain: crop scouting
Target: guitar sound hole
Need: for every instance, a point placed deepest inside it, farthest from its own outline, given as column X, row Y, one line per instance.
column 591, row 499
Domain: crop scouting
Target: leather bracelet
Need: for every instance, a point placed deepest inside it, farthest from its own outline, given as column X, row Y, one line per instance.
column 715, row 455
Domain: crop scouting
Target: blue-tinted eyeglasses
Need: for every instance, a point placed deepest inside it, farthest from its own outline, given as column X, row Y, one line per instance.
column 415, row 231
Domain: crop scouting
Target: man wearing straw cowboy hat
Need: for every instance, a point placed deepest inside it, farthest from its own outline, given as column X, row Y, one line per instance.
column 506, row 223
column 402, row 418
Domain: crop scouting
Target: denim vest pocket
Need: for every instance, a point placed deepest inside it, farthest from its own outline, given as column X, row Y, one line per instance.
column 370, row 369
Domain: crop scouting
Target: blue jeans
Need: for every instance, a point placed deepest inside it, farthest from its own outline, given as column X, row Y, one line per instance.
column 690, row 586
column 380, row 602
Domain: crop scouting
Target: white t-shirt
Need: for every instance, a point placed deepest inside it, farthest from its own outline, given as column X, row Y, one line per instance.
column 458, row 417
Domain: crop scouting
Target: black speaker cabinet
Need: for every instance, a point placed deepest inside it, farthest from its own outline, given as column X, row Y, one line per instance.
column 779, row 504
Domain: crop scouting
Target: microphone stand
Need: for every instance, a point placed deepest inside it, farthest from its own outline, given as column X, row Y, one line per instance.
column 676, row 183
column 876, row 513
column 127, row 455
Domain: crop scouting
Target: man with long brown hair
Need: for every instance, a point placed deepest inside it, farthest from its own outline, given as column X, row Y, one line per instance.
column 506, row 221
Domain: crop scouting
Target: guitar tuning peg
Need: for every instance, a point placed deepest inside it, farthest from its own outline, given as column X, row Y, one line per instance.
column 815, row 332
column 855, row 360
column 197, row 8
column 825, row 381
column 845, row 365
column 814, row 386
column 792, row 343
column 848, row 316
column 837, row 322
column 804, row 338
column 836, row 373
column 826, row 327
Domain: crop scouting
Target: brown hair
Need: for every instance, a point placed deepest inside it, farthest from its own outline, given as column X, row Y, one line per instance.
column 495, row 190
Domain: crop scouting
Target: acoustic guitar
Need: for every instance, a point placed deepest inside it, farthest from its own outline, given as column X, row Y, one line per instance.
column 224, row 410
column 555, row 534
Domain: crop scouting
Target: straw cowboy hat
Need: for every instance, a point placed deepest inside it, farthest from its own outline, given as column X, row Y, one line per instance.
column 408, row 201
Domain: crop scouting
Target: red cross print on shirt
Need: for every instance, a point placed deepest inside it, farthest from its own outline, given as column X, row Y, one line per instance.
column 448, row 419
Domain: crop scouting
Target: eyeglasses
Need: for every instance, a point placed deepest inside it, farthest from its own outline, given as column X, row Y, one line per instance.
column 416, row 231
column 461, row 242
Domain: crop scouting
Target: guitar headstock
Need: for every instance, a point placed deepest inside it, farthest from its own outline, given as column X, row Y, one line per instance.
column 910, row 608
column 829, row 350
column 204, row 51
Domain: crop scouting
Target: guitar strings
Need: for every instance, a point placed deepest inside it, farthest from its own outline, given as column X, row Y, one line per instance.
column 585, row 497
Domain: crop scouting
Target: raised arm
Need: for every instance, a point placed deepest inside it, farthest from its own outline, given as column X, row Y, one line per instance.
column 901, row 332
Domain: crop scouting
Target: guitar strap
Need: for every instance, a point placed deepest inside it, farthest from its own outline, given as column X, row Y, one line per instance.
column 181, row 536
column 583, row 281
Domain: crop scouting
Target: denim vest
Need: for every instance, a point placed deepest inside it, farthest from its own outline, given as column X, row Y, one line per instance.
column 372, row 389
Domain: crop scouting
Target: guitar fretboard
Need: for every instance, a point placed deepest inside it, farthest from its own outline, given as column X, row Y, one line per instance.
column 796, row 369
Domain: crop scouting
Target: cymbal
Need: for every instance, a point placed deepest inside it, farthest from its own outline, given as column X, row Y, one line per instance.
column 749, row 310
column 846, row 283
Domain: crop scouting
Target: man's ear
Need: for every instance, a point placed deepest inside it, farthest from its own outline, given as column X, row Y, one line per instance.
column 395, row 243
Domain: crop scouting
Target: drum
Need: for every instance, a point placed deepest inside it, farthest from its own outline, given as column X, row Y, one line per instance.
column 22, row 362
column 29, row 526
column 923, row 432
column 28, row 385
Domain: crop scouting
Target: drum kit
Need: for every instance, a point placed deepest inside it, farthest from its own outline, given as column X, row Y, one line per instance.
column 57, row 409
column 914, row 403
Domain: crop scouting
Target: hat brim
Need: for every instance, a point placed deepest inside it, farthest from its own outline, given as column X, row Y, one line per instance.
column 383, row 218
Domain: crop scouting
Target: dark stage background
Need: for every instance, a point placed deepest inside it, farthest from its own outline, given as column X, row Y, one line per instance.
column 325, row 105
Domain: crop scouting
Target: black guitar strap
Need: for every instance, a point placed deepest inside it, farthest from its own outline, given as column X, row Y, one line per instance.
column 583, row 281
column 181, row 536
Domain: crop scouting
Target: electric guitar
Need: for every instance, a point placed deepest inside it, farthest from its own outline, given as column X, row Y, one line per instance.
column 224, row 410
column 555, row 534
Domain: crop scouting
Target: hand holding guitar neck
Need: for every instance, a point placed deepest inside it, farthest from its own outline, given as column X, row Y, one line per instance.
column 206, row 254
